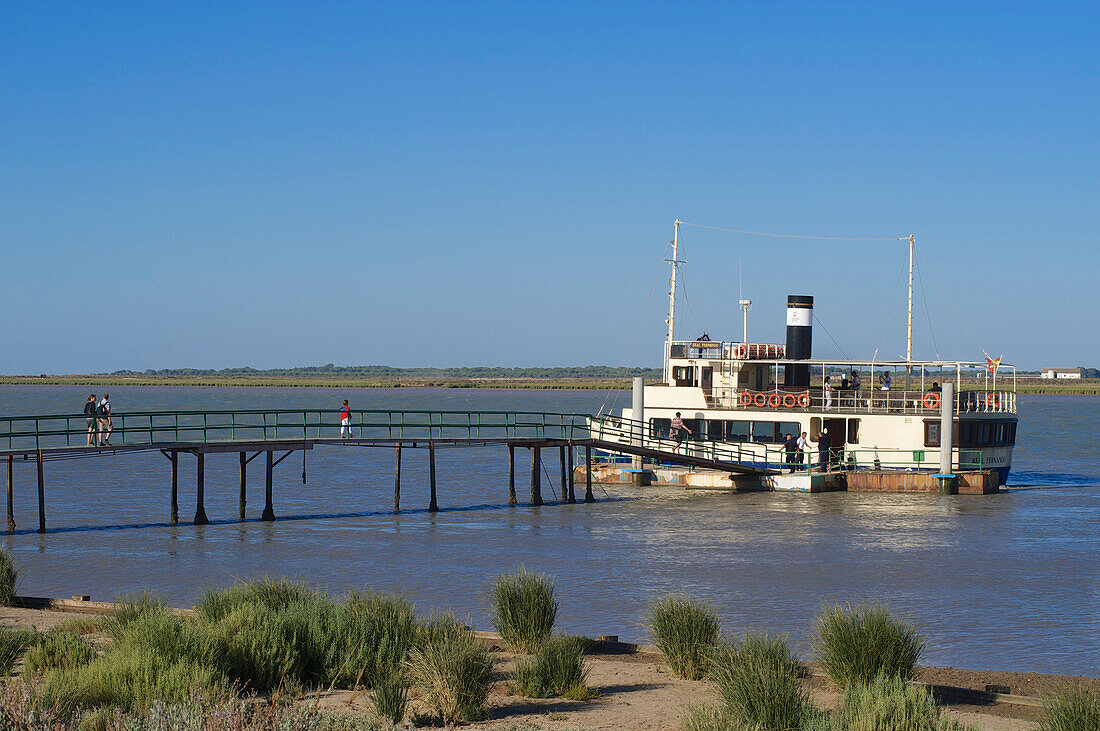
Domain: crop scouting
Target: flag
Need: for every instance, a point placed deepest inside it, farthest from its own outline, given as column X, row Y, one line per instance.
column 993, row 363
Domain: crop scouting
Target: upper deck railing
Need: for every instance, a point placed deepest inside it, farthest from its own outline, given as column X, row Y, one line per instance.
column 136, row 428
column 851, row 401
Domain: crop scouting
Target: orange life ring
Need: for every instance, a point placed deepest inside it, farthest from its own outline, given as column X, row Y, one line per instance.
column 740, row 352
column 760, row 400
column 931, row 400
column 746, row 398
column 991, row 400
column 774, row 400
column 804, row 400
column 789, row 400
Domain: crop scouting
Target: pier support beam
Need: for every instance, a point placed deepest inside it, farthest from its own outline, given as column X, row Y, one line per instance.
column 569, row 467
column 536, row 481
column 11, row 507
column 588, row 497
column 243, row 499
column 511, row 474
column 397, row 479
column 174, row 457
column 269, row 509
column 433, row 506
column 564, row 478
column 200, row 490
column 41, row 497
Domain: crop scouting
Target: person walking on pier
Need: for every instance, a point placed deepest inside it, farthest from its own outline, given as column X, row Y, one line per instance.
column 676, row 431
column 345, row 420
column 103, row 411
column 89, row 418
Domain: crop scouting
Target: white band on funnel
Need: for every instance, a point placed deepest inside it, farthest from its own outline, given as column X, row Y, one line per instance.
column 799, row 316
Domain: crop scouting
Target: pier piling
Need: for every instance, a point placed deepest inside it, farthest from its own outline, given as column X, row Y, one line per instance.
column 511, row 474
column 174, row 458
column 200, row 490
column 269, row 509
column 397, row 479
column 11, row 508
column 588, row 497
column 433, row 506
column 41, row 497
column 242, row 500
column 536, row 482
column 569, row 467
column 564, row 480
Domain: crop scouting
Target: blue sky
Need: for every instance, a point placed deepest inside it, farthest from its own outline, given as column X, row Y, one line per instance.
column 446, row 184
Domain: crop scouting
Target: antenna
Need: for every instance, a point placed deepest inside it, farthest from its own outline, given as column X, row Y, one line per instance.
column 672, row 281
column 909, row 320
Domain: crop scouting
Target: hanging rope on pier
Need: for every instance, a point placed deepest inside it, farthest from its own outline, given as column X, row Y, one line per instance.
column 798, row 236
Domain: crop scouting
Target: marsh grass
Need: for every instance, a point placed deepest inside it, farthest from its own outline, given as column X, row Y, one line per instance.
column 556, row 669
column 56, row 650
column 685, row 631
column 891, row 703
column 84, row 625
column 1071, row 709
column 132, row 606
column 12, row 643
column 254, row 647
column 856, row 645
column 705, row 717
column 390, row 698
column 756, row 677
column 451, row 674
column 9, row 577
column 525, row 607
column 272, row 592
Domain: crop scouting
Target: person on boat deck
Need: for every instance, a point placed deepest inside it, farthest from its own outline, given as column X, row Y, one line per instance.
column 828, row 386
column 857, row 384
column 676, row 430
column 935, row 387
column 884, row 381
column 803, row 445
column 791, row 448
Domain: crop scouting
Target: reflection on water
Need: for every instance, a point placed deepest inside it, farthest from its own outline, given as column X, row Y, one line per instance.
column 1006, row 581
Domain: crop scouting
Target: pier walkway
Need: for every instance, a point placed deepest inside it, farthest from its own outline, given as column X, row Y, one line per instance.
column 277, row 434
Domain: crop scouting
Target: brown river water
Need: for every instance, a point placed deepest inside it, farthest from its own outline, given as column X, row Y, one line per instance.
column 1008, row 581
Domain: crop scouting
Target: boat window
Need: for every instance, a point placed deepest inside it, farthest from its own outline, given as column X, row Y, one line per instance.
column 716, row 430
column 931, row 433
column 737, row 431
column 1010, row 434
column 695, row 429
column 983, row 434
column 683, row 375
column 853, row 431
column 658, row 428
column 763, row 432
column 788, row 427
column 966, row 434
column 815, row 428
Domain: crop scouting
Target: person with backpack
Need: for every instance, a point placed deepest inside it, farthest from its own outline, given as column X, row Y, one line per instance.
column 103, row 414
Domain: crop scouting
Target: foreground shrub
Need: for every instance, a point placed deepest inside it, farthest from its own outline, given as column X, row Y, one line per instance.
column 757, row 679
column 524, row 609
column 254, row 648
column 1070, row 710
column 892, row 704
column 685, row 631
column 9, row 576
column 132, row 679
column 132, row 606
column 390, row 698
column 273, row 593
column 858, row 645
column 56, row 650
column 452, row 676
column 557, row 669
column 706, row 718
column 13, row 642
column 170, row 637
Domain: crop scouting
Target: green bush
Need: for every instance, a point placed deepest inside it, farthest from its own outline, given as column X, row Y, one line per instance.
column 13, row 642
column 856, row 645
column 273, row 593
column 390, row 697
column 524, row 609
column 557, row 668
column 439, row 628
column 132, row 679
column 9, row 576
column 451, row 674
column 757, row 679
column 685, row 631
column 891, row 703
column 56, row 650
column 706, row 718
column 167, row 636
column 1071, row 709
column 132, row 606
column 254, row 647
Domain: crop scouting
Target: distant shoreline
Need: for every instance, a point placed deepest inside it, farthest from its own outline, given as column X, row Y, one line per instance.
column 1088, row 387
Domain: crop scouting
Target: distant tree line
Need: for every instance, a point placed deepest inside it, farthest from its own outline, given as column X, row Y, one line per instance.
column 378, row 371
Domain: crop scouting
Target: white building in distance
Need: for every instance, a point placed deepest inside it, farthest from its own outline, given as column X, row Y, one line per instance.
column 1060, row 373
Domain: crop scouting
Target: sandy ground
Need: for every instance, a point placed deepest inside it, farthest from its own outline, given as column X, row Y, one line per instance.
column 637, row 691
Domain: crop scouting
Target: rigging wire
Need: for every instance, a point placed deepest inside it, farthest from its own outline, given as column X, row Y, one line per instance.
column 819, row 322
column 857, row 331
column 956, row 311
column 888, row 311
column 927, row 312
column 797, row 236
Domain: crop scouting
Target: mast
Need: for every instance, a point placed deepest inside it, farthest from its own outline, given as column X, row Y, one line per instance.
column 909, row 322
column 672, row 282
